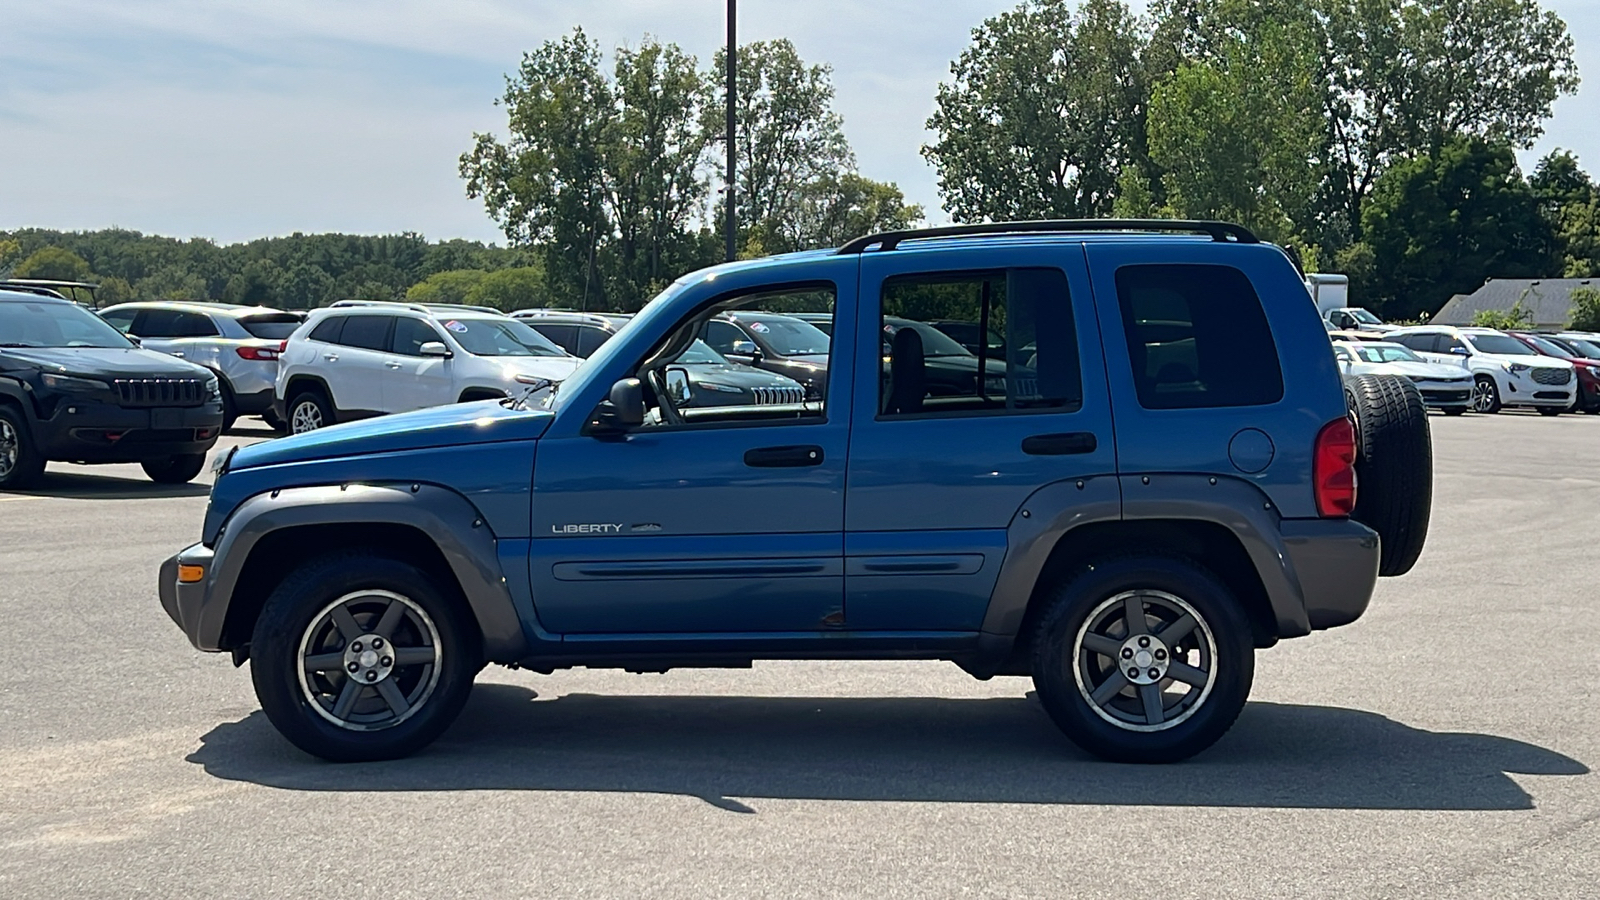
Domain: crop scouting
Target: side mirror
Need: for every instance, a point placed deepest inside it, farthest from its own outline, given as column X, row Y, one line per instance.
column 1459, row 351
column 678, row 385
column 137, row 341
column 627, row 403
column 747, row 348
column 435, row 349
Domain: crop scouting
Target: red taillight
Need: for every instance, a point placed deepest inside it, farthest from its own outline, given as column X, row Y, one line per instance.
column 266, row 354
column 1333, row 468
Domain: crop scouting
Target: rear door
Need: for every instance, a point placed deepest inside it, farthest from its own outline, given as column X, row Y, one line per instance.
column 355, row 367
column 942, row 458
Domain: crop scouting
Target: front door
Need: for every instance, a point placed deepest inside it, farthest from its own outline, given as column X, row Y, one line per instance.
column 947, row 444
column 711, row 518
column 415, row 381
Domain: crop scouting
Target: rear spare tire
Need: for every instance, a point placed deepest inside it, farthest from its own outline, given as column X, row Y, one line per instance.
column 1394, row 466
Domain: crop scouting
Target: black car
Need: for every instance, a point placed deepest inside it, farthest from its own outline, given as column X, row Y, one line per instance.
column 74, row 389
column 701, row 378
column 577, row 333
column 950, row 370
column 778, row 343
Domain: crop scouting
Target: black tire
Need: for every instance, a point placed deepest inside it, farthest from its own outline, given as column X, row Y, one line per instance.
column 1059, row 663
column 180, row 469
column 1551, row 410
column 21, row 463
column 230, row 408
column 1394, row 466
column 273, row 422
column 300, row 411
column 292, row 614
column 1486, row 395
column 1455, row 410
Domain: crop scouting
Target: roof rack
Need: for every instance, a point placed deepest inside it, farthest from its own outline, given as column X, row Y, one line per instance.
column 30, row 289
column 889, row 240
column 417, row 307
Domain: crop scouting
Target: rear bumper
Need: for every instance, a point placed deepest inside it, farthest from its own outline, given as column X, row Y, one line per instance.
column 101, row 433
column 185, row 602
column 1336, row 562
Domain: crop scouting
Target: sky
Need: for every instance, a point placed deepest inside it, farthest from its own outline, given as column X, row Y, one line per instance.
column 238, row 119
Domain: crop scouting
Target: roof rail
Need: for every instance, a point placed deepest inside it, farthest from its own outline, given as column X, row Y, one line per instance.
column 30, row 289
column 889, row 240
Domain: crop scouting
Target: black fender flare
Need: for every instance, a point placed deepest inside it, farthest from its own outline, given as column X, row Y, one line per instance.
column 454, row 525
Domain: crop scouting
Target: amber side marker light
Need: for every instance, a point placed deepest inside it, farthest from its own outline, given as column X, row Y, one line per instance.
column 191, row 574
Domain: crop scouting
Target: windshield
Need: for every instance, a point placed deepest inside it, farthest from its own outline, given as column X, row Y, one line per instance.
column 1361, row 315
column 787, row 336
column 1589, row 349
column 700, row 353
column 934, row 341
column 271, row 326
column 1550, row 348
column 56, row 324
column 1504, row 345
column 1383, row 353
column 499, row 337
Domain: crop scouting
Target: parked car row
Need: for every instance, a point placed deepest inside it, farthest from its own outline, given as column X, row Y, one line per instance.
column 1481, row 369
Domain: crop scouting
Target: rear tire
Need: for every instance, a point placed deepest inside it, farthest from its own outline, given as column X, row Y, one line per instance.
column 1455, row 410
column 230, row 408
column 308, row 411
column 180, row 469
column 273, row 422
column 1394, row 467
column 1084, row 649
column 21, row 463
column 1551, row 410
column 331, row 609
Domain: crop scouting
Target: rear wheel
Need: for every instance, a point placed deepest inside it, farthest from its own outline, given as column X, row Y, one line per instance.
column 180, row 469
column 230, row 407
column 1455, row 410
column 21, row 464
column 273, row 422
column 360, row 656
column 1143, row 659
column 1485, row 395
column 308, row 411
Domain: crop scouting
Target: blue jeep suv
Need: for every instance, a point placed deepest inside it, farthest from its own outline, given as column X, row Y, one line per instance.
column 1157, row 479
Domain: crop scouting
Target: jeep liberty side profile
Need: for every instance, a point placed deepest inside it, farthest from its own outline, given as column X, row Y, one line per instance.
column 1155, row 479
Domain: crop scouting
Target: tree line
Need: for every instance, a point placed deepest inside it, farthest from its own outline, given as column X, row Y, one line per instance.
column 1371, row 137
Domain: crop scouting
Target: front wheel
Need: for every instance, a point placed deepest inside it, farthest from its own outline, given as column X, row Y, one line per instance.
column 180, row 469
column 1455, row 410
column 21, row 464
column 1551, row 410
column 1485, row 395
column 1143, row 659
column 361, row 656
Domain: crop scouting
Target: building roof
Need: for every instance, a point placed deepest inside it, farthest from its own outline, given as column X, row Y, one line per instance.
column 1548, row 299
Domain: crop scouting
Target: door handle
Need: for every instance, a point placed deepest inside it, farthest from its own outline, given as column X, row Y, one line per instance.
column 178, row 353
column 392, row 365
column 331, row 357
column 1059, row 444
column 784, row 457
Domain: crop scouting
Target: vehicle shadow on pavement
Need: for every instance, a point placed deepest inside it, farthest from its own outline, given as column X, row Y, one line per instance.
column 78, row 486
column 904, row 749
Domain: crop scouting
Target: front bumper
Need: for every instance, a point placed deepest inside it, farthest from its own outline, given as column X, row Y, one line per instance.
column 185, row 602
column 103, row 433
column 1336, row 561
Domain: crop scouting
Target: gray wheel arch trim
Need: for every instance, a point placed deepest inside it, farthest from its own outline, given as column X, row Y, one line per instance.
column 1055, row 510
column 447, row 518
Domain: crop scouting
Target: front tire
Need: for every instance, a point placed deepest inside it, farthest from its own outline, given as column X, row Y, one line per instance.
column 1551, row 410
column 1143, row 659
column 1485, row 395
column 180, row 469
column 1455, row 410
column 21, row 463
column 359, row 656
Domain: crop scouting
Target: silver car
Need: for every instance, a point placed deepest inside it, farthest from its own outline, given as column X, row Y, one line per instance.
column 239, row 343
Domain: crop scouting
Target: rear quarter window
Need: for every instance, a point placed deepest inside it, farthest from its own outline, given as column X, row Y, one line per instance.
column 1197, row 337
column 328, row 330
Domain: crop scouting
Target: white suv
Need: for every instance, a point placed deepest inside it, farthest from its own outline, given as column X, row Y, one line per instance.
column 357, row 359
column 1505, row 371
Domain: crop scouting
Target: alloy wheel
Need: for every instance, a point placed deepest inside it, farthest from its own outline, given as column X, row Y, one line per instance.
column 1145, row 660
column 307, row 416
column 1483, row 396
column 369, row 660
column 10, row 448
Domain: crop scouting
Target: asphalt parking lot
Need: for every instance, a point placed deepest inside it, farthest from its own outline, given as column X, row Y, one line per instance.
column 1442, row 746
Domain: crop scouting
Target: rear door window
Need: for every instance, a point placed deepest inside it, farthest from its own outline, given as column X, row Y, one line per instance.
column 590, row 337
column 367, row 332
column 563, row 335
column 1197, row 337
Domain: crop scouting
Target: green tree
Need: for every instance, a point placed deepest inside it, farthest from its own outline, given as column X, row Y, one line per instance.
column 171, row 283
column 837, row 207
column 1045, row 111
column 1570, row 201
column 1440, row 224
column 1585, row 309
column 10, row 252
column 257, row 284
column 1410, row 75
column 54, row 263
column 446, row 287
column 1239, row 134
column 510, row 289
column 305, row 286
column 113, row 290
column 1517, row 318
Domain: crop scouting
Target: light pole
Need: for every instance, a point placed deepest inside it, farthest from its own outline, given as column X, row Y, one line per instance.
column 730, row 221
